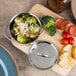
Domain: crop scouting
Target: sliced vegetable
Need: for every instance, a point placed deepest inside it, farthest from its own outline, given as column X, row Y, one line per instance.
column 58, row 23
column 64, row 23
column 73, row 30
column 67, row 27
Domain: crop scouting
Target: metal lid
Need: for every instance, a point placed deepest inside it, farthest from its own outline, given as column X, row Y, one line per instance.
column 43, row 55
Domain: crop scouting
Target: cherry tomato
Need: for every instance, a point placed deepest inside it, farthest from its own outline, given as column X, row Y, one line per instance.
column 71, row 40
column 65, row 35
column 64, row 41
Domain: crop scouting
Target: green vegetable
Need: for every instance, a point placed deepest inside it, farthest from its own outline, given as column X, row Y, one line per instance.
column 31, row 20
column 22, row 39
column 48, row 20
column 25, row 16
column 49, row 24
column 34, row 29
column 52, row 30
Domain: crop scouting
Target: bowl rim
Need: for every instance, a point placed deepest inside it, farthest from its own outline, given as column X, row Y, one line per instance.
column 13, row 59
column 50, row 44
column 40, row 25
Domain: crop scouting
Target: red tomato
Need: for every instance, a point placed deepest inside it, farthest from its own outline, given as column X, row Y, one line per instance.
column 71, row 40
column 65, row 35
column 64, row 41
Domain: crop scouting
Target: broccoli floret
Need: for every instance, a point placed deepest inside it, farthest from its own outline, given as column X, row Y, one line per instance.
column 49, row 24
column 22, row 39
column 52, row 30
column 48, row 20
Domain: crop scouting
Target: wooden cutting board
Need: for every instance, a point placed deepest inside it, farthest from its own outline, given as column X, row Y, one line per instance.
column 41, row 11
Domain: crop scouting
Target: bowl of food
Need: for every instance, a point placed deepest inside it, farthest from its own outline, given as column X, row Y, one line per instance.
column 24, row 28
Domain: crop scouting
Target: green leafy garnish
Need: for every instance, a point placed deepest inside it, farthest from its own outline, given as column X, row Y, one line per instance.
column 49, row 25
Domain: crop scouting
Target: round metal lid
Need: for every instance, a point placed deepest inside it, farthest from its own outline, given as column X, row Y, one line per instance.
column 43, row 55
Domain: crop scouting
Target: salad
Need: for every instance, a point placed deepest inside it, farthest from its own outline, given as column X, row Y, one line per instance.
column 25, row 28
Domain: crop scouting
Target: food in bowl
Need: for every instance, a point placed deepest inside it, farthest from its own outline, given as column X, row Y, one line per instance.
column 25, row 28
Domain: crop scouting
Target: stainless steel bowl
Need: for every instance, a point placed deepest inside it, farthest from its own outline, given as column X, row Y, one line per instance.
column 43, row 55
column 8, row 32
